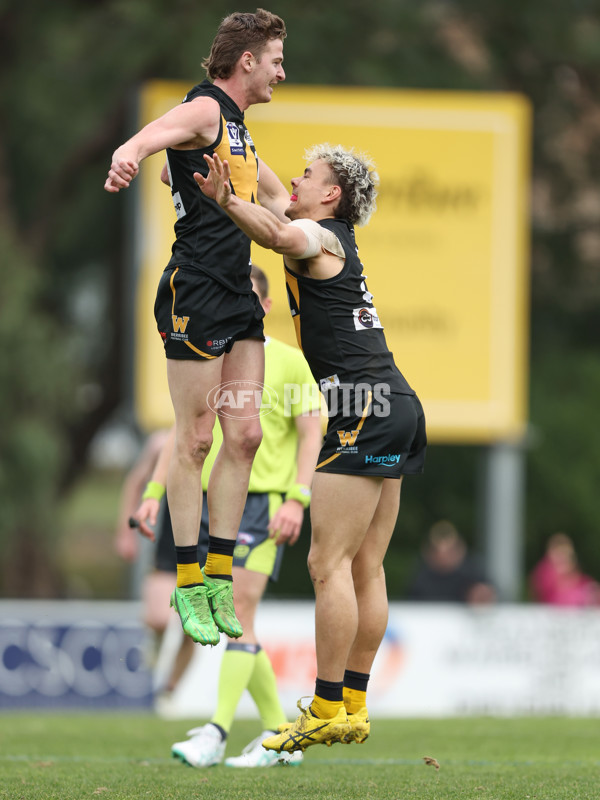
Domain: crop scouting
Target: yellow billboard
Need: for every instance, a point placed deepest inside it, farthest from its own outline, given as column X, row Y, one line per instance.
column 446, row 253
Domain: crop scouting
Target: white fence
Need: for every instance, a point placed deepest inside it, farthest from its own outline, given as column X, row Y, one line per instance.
column 436, row 660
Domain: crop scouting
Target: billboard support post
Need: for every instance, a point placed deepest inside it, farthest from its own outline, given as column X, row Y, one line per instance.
column 504, row 501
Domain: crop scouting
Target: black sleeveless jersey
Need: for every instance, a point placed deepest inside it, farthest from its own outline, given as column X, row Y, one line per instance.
column 206, row 238
column 337, row 326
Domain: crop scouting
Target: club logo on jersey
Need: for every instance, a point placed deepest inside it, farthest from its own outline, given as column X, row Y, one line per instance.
column 329, row 383
column 366, row 318
column 236, row 145
column 179, row 323
column 248, row 138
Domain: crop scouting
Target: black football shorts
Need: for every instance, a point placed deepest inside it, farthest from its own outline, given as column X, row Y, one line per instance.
column 199, row 318
column 373, row 435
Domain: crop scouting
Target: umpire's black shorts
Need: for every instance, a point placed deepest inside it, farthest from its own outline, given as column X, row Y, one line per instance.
column 254, row 549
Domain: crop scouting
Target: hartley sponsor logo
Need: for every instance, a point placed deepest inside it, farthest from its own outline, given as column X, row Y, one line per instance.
column 384, row 461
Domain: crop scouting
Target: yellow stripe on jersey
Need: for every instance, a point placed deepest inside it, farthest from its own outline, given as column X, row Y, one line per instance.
column 292, row 283
column 244, row 168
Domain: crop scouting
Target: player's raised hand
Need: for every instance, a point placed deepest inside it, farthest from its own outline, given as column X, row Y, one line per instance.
column 120, row 174
column 216, row 184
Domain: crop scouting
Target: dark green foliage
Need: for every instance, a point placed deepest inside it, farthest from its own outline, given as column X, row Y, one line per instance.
column 564, row 464
column 36, row 399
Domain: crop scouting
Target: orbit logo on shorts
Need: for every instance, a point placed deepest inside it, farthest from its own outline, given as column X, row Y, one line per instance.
column 217, row 344
column 248, row 399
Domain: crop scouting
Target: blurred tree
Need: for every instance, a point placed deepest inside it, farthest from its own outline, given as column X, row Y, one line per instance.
column 34, row 405
column 68, row 73
column 564, row 464
column 68, row 76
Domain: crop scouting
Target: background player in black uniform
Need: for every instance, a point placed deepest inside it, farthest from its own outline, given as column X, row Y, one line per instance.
column 376, row 430
column 208, row 316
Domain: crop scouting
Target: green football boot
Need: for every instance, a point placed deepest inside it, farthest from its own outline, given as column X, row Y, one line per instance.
column 191, row 603
column 220, row 598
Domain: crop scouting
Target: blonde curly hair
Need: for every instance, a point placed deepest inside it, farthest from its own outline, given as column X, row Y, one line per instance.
column 355, row 175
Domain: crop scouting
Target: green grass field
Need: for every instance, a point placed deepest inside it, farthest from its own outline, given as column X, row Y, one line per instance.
column 48, row 756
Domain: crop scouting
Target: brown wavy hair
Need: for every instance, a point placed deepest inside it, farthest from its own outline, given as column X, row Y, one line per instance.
column 240, row 32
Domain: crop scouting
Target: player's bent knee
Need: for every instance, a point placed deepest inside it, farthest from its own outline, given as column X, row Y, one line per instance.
column 321, row 565
column 195, row 450
column 245, row 442
column 365, row 572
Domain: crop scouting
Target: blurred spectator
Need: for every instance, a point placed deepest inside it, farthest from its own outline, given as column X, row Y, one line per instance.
column 126, row 538
column 447, row 572
column 557, row 578
column 156, row 584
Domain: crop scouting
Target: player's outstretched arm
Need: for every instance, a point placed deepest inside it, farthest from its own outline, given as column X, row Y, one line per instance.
column 258, row 223
column 189, row 124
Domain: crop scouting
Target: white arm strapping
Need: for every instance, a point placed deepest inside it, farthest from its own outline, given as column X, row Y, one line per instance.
column 317, row 239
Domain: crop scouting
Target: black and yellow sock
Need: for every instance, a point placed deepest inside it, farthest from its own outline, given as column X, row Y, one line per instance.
column 219, row 560
column 355, row 690
column 188, row 568
column 328, row 699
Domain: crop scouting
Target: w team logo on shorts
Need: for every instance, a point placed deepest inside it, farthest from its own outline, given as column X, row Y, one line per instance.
column 236, row 145
column 347, row 438
column 179, row 328
column 179, row 323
